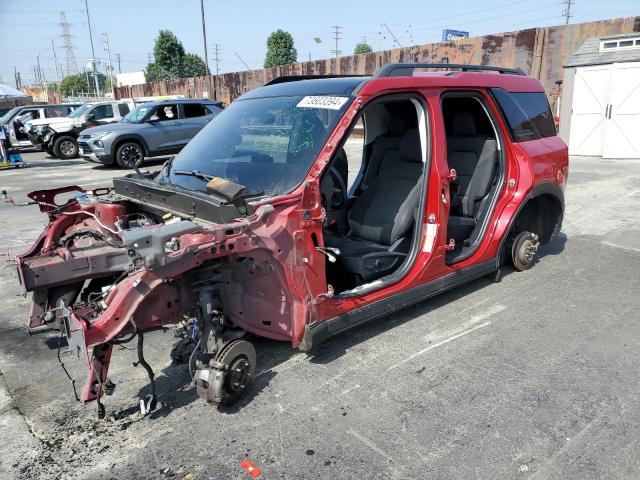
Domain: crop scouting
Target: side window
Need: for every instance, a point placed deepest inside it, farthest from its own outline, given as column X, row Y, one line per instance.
column 194, row 110
column 165, row 112
column 528, row 114
column 354, row 150
column 123, row 108
column 102, row 112
column 58, row 111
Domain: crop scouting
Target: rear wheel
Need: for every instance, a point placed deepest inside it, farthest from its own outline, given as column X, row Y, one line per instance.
column 129, row 154
column 65, row 147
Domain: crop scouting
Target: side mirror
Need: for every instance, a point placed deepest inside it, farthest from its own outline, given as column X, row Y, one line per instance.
column 90, row 116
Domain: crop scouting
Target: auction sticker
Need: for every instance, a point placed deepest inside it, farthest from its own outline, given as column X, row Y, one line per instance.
column 329, row 103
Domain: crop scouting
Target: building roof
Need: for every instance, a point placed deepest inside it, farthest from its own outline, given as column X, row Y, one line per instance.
column 589, row 52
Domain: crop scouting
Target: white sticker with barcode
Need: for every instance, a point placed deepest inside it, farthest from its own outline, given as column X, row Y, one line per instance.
column 329, row 103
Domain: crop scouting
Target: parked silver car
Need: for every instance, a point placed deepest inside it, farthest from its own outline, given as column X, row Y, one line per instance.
column 152, row 129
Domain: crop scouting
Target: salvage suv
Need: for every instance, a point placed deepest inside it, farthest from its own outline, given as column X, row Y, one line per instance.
column 152, row 129
column 284, row 220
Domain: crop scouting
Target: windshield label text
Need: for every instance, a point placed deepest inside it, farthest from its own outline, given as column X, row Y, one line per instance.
column 329, row 103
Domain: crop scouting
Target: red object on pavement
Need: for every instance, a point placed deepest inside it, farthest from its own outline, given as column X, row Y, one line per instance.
column 251, row 468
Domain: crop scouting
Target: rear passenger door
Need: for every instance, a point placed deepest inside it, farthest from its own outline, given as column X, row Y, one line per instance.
column 194, row 117
column 163, row 132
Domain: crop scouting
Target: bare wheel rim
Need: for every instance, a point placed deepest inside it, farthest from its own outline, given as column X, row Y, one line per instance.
column 131, row 155
column 67, row 147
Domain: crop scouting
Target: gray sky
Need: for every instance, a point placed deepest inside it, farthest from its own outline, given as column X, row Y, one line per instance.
column 27, row 27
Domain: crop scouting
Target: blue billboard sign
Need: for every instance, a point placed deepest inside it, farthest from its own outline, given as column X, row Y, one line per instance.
column 449, row 35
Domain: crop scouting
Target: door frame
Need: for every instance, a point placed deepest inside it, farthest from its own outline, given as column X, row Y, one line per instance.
column 486, row 101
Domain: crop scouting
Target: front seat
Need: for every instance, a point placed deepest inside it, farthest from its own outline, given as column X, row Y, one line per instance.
column 475, row 159
column 383, row 215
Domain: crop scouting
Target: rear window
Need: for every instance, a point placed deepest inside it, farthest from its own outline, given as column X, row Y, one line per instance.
column 194, row 110
column 528, row 114
column 57, row 111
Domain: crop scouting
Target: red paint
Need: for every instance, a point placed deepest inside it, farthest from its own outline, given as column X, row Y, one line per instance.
column 251, row 468
column 278, row 283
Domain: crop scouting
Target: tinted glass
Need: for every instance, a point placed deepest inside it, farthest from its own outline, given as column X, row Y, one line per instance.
column 193, row 110
column 123, row 108
column 52, row 112
column 7, row 116
column 102, row 111
column 163, row 113
column 265, row 144
column 528, row 114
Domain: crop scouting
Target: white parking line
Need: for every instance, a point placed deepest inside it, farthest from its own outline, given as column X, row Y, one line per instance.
column 472, row 321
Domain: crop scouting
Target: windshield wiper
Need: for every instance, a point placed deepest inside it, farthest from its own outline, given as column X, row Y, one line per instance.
column 194, row 173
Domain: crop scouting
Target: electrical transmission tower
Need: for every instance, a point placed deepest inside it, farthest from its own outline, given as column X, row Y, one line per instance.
column 337, row 38
column 216, row 58
column 70, row 59
column 566, row 13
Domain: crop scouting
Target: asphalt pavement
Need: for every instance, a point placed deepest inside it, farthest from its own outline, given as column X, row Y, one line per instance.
column 535, row 377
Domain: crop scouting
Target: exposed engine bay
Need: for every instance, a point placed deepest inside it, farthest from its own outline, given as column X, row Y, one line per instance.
column 114, row 263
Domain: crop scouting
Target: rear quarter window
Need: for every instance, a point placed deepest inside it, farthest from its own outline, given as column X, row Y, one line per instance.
column 528, row 114
column 123, row 108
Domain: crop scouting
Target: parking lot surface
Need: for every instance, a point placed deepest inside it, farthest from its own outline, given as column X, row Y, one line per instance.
column 534, row 377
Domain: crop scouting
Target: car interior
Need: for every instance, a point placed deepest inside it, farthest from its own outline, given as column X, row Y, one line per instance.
column 371, row 193
column 473, row 151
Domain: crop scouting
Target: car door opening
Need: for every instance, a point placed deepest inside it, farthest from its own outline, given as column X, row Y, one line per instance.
column 373, row 193
column 473, row 151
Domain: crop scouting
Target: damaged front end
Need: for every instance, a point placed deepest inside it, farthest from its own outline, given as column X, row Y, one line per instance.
column 114, row 263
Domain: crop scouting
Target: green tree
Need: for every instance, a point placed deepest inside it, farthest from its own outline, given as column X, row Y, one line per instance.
column 73, row 84
column 361, row 48
column 171, row 60
column 193, row 66
column 280, row 49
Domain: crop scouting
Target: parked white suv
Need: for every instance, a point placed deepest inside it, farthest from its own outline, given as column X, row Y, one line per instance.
column 57, row 136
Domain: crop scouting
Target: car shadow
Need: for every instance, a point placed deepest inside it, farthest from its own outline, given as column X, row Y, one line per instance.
column 55, row 162
column 175, row 389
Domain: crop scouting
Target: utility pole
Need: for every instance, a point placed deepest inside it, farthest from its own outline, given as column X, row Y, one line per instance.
column 55, row 60
column 206, row 55
column 243, row 62
column 41, row 76
column 384, row 24
column 118, row 60
column 15, row 76
column 70, row 59
column 149, row 57
column 566, row 13
column 109, row 65
column 337, row 38
column 93, row 53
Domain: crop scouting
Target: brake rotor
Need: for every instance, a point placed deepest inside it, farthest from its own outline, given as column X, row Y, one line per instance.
column 524, row 250
column 239, row 359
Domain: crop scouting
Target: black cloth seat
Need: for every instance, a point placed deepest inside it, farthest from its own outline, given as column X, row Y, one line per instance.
column 475, row 158
column 383, row 214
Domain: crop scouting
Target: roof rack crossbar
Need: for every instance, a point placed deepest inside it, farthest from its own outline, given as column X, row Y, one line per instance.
column 406, row 69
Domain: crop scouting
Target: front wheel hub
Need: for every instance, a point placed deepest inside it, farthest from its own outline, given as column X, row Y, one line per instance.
column 229, row 375
column 523, row 252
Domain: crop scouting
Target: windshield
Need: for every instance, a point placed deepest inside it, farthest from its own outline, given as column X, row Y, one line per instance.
column 7, row 116
column 137, row 115
column 78, row 112
column 266, row 145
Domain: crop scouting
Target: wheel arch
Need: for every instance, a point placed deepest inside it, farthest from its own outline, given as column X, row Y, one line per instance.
column 541, row 212
column 130, row 138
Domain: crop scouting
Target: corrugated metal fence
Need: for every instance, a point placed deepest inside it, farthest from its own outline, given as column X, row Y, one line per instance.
column 540, row 52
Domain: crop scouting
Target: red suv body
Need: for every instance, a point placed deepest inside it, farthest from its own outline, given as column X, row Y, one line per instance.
column 306, row 208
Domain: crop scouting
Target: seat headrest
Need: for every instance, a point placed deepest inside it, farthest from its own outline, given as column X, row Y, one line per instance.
column 410, row 146
column 463, row 125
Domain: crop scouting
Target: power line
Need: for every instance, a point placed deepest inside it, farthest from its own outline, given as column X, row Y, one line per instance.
column 566, row 13
column 337, row 38
column 243, row 62
column 391, row 33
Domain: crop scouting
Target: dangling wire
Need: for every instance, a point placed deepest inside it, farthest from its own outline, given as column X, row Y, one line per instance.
column 73, row 382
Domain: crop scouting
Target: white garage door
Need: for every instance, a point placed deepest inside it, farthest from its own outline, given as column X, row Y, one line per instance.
column 605, row 117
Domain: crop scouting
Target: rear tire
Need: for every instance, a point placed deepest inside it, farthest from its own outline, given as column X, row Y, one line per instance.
column 65, row 147
column 129, row 152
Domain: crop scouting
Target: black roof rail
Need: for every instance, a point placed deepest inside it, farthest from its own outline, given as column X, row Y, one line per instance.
column 406, row 69
column 295, row 78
